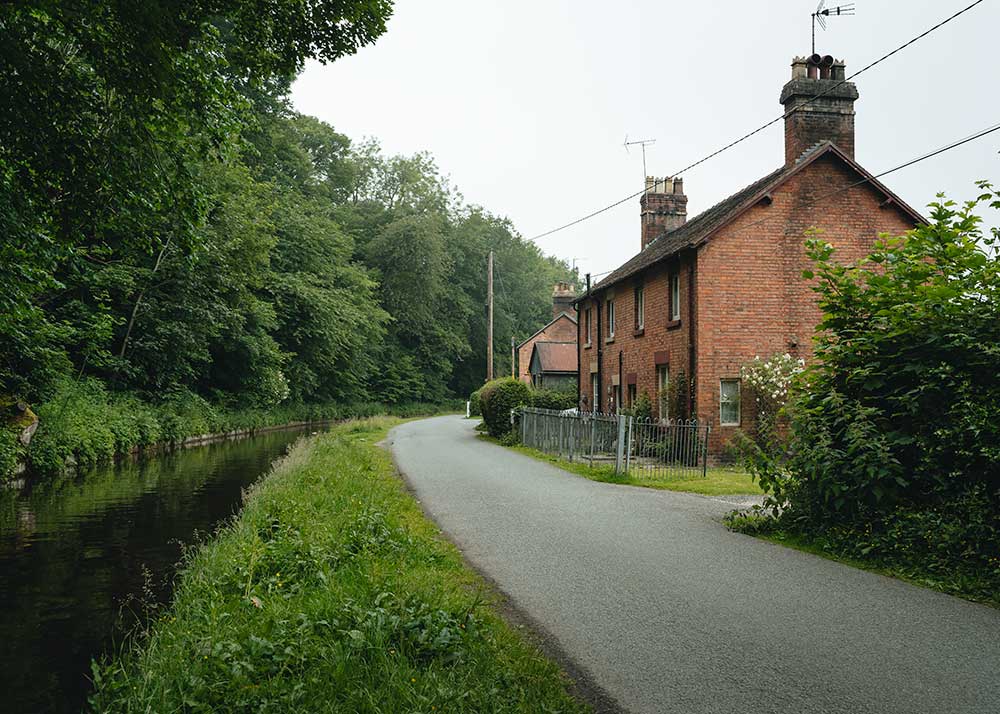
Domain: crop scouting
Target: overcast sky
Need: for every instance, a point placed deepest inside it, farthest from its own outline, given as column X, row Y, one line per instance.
column 526, row 104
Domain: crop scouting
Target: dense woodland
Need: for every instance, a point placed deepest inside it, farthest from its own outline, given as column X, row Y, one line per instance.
column 169, row 224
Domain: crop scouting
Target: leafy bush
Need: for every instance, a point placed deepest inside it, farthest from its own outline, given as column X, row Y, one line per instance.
column 86, row 425
column 475, row 408
column 554, row 399
column 894, row 438
column 497, row 399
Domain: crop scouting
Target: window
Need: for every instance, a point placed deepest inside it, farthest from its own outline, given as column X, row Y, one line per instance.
column 640, row 307
column 611, row 318
column 663, row 390
column 616, row 407
column 675, row 296
column 631, row 396
column 586, row 325
column 729, row 402
column 595, row 392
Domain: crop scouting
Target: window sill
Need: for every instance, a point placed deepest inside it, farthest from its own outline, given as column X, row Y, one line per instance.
column 586, row 345
column 728, row 426
column 609, row 340
column 673, row 324
column 639, row 333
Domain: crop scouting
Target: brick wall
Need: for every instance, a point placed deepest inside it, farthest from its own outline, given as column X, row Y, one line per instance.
column 748, row 297
column 661, row 338
column 562, row 329
column 752, row 299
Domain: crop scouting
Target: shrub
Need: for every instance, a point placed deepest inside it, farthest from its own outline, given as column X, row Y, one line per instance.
column 894, row 437
column 552, row 399
column 475, row 409
column 497, row 399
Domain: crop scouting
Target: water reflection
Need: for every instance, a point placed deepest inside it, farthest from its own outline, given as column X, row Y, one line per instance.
column 72, row 552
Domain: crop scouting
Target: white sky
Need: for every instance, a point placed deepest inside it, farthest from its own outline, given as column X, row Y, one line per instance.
column 525, row 104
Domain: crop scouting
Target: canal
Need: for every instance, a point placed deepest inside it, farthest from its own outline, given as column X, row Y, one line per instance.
column 82, row 558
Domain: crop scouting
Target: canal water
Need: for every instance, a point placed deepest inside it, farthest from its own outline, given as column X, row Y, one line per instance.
column 79, row 558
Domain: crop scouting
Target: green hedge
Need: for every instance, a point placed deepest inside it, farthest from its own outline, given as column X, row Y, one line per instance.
column 497, row 399
column 552, row 399
column 475, row 408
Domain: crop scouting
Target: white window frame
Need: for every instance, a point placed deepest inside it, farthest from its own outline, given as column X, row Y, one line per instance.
column 595, row 388
column 611, row 319
column 663, row 389
column 723, row 402
column 640, row 307
column 675, row 296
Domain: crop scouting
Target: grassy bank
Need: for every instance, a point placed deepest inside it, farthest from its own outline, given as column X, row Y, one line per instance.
column 331, row 592
column 716, row 482
column 920, row 558
column 87, row 424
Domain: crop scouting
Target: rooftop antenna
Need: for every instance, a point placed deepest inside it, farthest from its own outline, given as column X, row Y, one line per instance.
column 823, row 12
column 643, row 143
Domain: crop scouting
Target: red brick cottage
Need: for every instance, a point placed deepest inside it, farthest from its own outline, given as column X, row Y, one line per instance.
column 561, row 328
column 703, row 297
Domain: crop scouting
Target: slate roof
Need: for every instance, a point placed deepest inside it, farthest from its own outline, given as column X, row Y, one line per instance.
column 555, row 356
column 702, row 226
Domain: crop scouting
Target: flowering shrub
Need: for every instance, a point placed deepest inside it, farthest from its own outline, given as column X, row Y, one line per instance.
column 770, row 382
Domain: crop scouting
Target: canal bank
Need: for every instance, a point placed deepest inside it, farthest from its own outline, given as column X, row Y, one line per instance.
column 84, row 425
column 332, row 591
column 84, row 557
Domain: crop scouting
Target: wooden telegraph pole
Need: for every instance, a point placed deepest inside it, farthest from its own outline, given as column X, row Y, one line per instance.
column 489, row 312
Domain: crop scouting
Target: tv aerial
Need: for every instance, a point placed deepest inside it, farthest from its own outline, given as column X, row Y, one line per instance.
column 823, row 12
column 643, row 143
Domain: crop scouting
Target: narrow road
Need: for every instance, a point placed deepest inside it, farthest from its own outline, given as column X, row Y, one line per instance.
column 650, row 597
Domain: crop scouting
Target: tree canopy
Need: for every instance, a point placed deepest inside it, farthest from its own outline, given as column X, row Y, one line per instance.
column 168, row 223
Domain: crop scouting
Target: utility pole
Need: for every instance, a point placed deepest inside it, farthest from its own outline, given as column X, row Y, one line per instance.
column 489, row 318
column 513, row 357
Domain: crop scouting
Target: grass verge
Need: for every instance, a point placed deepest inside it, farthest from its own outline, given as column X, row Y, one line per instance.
column 918, row 567
column 716, row 482
column 330, row 592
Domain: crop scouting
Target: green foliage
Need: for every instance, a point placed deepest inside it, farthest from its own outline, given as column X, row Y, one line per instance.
column 552, row 399
column 643, row 408
column 896, row 430
column 498, row 398
column 331, row 591
column 475, row 407
column 171, row 232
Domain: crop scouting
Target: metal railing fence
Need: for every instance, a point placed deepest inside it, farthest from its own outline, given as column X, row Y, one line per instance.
column 641, row 448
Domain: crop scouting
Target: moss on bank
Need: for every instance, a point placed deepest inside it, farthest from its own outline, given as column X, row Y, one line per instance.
column 331, row 592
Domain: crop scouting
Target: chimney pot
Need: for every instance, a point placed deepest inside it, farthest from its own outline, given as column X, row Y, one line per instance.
column 818, row 107
column 663, row 207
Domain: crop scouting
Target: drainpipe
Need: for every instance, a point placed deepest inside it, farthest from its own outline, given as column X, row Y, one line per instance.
column 621, row 384
column 600, row 356
column 579, row 349
column 692, row 353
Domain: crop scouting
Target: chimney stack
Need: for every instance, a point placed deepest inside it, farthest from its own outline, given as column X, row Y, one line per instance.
column 563, row 295
column 829, row 118
column 663, row 207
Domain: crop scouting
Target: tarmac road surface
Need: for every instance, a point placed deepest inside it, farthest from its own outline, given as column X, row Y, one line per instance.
column 646, row 597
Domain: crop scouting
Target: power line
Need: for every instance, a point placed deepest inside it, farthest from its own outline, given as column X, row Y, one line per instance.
column 763, row 126
column 953, row 145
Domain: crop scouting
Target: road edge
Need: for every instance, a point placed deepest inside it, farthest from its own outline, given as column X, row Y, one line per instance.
column 582, row 684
